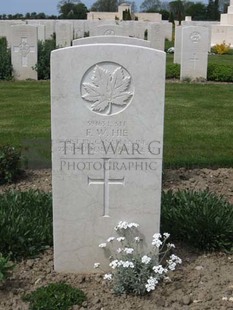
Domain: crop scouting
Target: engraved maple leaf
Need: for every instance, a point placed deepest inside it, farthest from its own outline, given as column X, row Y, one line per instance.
column 107, row 89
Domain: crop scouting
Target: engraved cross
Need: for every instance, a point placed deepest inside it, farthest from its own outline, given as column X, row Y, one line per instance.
column 106, row 181
column 24, row 49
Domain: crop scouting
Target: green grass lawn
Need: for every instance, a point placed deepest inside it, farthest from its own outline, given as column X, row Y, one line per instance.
column 198, row 125
column 198, row 121
column 25, row 118
column 215, row 59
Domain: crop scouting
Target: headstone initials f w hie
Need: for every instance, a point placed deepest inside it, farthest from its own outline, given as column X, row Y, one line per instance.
column 107, row 134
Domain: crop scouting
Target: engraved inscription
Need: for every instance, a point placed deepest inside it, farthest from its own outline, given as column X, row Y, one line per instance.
column 109, row 32
column 195, row 37
column 106, row 181
column 107, row 89
column 194, row 60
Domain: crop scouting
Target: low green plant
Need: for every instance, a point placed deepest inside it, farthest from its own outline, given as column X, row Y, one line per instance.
column 135, row 272
column 44, row 50
column 25, row 223
column 5, row 60
column 220, row 73
column 5, row 267
column 9, row 164
column 172, row 71
column 200, row 219
column 55, row 296
column 221, row 48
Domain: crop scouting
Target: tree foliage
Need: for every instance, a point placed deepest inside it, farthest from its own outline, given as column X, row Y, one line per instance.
column 72, row 9
column 105, row 6
column 177, row 9
column 150, row 6
column 196, row 10
column 212, row 10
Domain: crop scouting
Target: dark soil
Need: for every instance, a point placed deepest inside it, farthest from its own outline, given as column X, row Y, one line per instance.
column 203, row 281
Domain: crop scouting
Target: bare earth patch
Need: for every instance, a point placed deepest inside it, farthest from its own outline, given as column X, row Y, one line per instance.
column 203, row 281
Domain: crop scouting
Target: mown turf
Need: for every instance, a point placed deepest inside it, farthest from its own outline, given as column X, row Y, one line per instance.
column 198, row 121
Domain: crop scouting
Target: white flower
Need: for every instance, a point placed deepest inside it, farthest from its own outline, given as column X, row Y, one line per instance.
column 108, row 276
column 151, row 283
column 102, row 245
column 157, row 236
column 127, row 264
column 128, row 250
column 96, row 265
column 121, row 225
column 171, row 245
column 176, row 259
column 125, row 225
column 131, row 225
column 119, row 250
column 159, row 269
column 137, row 239
column 114, row 264
column 110, row 239
column 146, row 259
column 120, row 239
column 171, row 265
column 166, row 235
column 156, row 240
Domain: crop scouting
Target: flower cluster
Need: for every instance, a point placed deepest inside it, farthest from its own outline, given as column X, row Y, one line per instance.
column 133, row 272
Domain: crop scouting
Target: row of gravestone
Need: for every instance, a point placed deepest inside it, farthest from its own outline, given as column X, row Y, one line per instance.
column 24, row 40
column 191, row 49
column 67, row 30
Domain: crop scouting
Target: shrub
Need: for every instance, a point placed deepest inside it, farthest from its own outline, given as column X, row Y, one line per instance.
column 44, row 50
column 25, row 223
column 200, row 219
column 5, row 61
column 221, row 49
column 220, row 72
column 172, row 71
column 9, row 164
column 136, row 272
column 5, row 267
column 55, row 296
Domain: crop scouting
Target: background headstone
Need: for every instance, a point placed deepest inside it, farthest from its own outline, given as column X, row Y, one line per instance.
column 107, row 30
column 194, row 52
column 111, row 39
column 177, row 50
column 107, row 147
column 24, row 51
column 64, row 34
column 156, row 35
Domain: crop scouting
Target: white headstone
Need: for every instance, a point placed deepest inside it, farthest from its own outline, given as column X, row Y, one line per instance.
column 79, row 28
column 111, row 39
column 194, row 52
column 41, row 32
column 24, row 51
column 107, row 133
column 64, row 34
column 167, row 28
column 177, row 52
column 107, row 30
column 156, row 36
column 49, row 26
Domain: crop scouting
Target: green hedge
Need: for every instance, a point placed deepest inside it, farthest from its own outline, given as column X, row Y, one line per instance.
column 5, row 60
